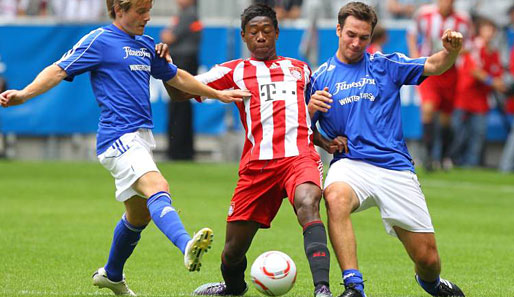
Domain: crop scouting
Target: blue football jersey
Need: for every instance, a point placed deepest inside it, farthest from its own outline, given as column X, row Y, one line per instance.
column 120, row 66
column 366, row 106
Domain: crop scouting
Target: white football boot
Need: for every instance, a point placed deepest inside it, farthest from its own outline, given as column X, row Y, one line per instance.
column 196, row 247
column 118, row 288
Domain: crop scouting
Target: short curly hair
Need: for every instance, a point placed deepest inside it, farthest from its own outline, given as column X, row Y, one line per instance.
column 256, row 10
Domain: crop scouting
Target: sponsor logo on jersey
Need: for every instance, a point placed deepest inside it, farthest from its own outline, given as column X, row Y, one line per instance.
column 341, row 86
column 278, row 91
column 146, row 68
column 142, row 52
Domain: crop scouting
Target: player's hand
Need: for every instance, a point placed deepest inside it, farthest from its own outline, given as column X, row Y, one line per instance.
column 338, row 144
column 12, row 97
column 452, row 41
column 162, row 50
column 320, row 101
column 229, row 96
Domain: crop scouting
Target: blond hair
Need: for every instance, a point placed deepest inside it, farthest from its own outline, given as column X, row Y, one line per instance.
column 123, row 4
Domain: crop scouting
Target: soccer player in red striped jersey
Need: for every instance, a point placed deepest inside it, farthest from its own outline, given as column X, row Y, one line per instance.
column 278, row 159
column 437, row 92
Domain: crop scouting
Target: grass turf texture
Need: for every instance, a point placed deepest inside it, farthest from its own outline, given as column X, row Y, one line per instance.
column 56, row 223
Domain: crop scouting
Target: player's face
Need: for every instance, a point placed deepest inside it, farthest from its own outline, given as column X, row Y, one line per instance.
column 445, row 6
column 487, row 32
column 260, row 37
column 354, row 37
column 134, row 20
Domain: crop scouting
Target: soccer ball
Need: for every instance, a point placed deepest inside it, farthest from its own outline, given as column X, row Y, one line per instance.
column 273, row 273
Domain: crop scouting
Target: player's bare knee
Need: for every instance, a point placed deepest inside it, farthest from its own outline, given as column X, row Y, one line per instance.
column 338, row 200
column 429, row 261
column 308, row 203
column 159, row 185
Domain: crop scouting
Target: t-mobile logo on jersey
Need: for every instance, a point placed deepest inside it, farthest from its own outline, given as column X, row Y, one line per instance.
column 283, row 90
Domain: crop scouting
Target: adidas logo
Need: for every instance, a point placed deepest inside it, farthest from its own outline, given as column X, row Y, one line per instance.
column 166, row 210
column 274, row 66
column 331, row 67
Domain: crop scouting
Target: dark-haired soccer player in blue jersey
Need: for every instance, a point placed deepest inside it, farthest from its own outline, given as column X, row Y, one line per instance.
column 121, row 60
column 356, row 95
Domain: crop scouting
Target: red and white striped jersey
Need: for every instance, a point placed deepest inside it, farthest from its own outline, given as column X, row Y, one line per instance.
column 430, row 25
column 275, row 117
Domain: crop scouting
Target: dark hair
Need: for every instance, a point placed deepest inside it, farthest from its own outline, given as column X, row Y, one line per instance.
column 359, row 11
column 484, row 21
column 256, row 10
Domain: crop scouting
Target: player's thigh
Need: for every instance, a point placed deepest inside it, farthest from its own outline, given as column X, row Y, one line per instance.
column 401, row 202
column 257, row 196
column 128, row 159
column 349, row 186
column 421, row 246
column 137, row 213
column 303, row 177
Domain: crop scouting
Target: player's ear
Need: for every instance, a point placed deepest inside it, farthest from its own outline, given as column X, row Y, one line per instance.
column 243, row 36
column 338, row 30
column 277, row 33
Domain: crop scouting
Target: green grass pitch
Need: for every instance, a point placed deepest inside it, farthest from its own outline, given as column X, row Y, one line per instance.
column 56, row 223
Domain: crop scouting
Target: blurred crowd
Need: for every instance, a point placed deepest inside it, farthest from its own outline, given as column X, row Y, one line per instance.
column 454, row 107
column 69, row 10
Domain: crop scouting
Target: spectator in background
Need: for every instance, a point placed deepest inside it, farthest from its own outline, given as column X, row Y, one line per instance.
column 183, row 36
column 437, row 92
column 480, row 72
column 507, row 159
column 13, row 8
column 404, row 9
column 78, row 10
column 285, row 9
column 378, row 39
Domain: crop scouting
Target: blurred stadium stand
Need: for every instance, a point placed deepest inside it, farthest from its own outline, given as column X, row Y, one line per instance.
column 61, row 124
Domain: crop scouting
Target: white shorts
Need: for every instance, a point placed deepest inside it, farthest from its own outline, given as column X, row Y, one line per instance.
column 127, row 159
column 397, row 194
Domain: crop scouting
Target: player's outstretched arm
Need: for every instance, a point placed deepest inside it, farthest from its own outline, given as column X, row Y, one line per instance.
column 176, row 94
column 319, row 101
column 441, row 61
column 44, row 81
column 187, row 83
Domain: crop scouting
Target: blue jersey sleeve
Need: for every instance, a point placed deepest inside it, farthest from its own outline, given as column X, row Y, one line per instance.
column 404, row 70
column 85, row 55
column 163, row 70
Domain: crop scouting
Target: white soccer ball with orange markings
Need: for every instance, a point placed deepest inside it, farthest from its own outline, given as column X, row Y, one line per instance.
column 273, row 273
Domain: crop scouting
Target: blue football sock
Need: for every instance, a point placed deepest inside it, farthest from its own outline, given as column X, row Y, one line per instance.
column 429, row 287
column 354, row 276
column 124, row 242
column 167, row 220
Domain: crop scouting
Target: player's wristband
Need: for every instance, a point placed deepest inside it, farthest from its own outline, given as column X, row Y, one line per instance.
column 488, row 80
